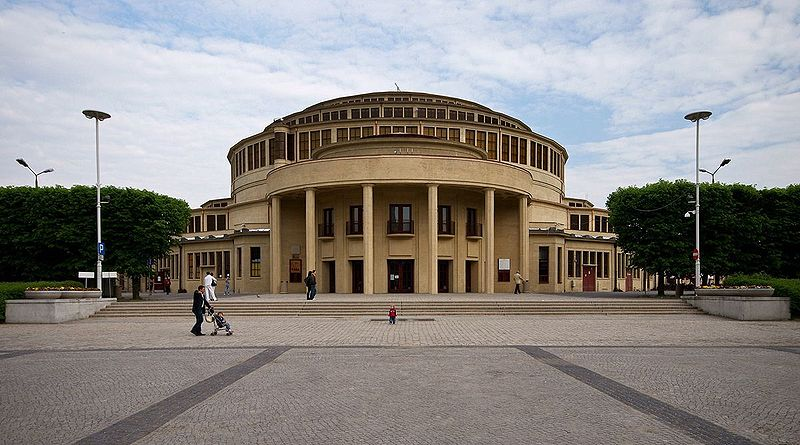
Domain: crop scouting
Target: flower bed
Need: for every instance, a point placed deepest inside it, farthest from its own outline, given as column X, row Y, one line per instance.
column 39, row 293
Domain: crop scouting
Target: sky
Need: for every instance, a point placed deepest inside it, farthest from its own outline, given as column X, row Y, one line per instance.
column 611, row 81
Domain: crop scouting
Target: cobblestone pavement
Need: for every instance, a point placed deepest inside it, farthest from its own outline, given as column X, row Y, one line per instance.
column 688, row 379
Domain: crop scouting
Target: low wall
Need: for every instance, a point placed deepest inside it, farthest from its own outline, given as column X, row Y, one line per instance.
column 53, row 311
column 742, row 308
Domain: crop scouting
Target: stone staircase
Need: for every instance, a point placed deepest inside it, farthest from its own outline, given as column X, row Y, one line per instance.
column 404, row 308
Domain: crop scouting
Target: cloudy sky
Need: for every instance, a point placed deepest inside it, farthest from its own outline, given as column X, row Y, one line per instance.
column 609, row 80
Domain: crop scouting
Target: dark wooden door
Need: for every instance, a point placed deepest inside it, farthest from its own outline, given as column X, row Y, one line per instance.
column 589, row 281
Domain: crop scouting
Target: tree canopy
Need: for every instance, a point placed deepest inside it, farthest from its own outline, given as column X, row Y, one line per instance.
column 742, row 229
column 51, row 232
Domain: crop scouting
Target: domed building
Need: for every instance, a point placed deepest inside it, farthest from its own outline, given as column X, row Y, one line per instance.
column 399, row 192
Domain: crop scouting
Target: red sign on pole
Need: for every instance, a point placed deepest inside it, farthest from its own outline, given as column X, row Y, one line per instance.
column 695, row 254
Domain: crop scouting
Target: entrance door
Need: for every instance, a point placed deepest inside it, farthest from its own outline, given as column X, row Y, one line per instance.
column 357, row 276
column 444, row 276
column 401, row 276
column 331, row 276
column 471, row 276
column 628, row 282
column 589, row 282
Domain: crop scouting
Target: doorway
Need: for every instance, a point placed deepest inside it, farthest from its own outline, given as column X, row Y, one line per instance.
column 628, row 282
column 444, row 276
column 589, row 281
column 471, row 276
column 357, row 276
column 331, row 270
column 401, row 276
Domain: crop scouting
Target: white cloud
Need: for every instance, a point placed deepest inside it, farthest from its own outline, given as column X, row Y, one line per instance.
column 185, row 80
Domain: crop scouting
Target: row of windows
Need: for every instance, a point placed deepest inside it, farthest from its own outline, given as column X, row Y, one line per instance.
column 576, row 259
column 624, row 267
column 402, row 112
column 213, row 222
column 400, row 221
column 220, row 260
column 581, row 222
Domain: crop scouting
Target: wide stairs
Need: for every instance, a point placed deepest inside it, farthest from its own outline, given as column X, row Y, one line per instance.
column 367, row 308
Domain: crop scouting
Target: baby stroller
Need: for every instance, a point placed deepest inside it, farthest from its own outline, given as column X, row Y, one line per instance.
column 218, row 321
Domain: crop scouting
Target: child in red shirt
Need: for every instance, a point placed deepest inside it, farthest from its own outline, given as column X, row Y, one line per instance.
column 392, row 315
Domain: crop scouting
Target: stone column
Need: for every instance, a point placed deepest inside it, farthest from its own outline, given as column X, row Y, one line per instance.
column 275, row 245
column 491, row 261
column 433, row 239
column 311, row 234
column 369, row 247
column 524, row 261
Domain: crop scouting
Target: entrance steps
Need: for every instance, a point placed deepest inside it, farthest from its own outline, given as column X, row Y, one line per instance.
column 404, row 308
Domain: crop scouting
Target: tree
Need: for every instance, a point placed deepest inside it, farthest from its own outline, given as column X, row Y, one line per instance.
column 51, row 232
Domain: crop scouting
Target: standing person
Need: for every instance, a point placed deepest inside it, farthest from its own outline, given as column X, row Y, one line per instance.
column 392, row 315
column 167, row 284
column 198, row 304
column 311, row 282
column 227, row 284
column 518, row 282
column 307, row 282
column 209, row 282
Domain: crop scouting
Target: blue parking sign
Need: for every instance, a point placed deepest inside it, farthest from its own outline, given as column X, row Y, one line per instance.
column 101, row 249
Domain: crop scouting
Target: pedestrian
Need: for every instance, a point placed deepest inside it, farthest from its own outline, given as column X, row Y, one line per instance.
column 209, row 283
column 518, row 282
column 199, row 303
column 392, row 315
column 227, row 284
column 311, row 284
column 167, row 284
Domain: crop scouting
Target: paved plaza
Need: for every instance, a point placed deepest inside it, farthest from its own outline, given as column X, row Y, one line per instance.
column 680, row 379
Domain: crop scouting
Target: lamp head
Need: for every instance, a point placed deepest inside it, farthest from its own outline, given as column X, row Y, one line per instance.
column 49, row 170
column 705, row 171
column 697, row 115
column 94, row 114
column 22, row 162
column 725, row 162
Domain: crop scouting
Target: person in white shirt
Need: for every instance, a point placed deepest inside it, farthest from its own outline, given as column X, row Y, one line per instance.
column 209, row 283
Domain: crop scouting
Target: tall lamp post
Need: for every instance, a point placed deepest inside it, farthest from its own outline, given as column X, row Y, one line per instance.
column 697, row 116
column 722, row 164
column 98, row 116
column 36, row 175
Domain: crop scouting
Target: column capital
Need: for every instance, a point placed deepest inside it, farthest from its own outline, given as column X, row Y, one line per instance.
column 367, row 184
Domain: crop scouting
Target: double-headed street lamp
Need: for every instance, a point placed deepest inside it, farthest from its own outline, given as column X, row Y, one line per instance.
column 697, row 116
column 98, row 116
column 722, row 164
column 35, row 175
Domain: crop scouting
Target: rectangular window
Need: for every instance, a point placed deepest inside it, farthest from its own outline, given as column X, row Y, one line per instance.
column 326, row 228
column 408, row 112
column 356, row 113
column 470, row 137
column 411, row 129
column 462, row 115
column 249, row 157
column 504, row 150
column 514, row 149
column 398, row 111
column 197, row 266
column 326, row 116
column 420, row 112
column 440, row 113
column 544, row 264
column 474, row 228
column 559, row 273
column 570, row 263
column 453, row 115
column 585, row 222
column 342, row 134
column 431, row 113
column 239, row 262
column 326, row 137
column 400, row 219
column 255, row 261
column 304, row 145
column 445, row 221
column 190, row 265
column 492, row 146
column 574, row 222
column 211, row 223
column 221, row 223
column 455, row 135
column 545, row 151
column 387, row 112
column 355, row 133
column 355, row 224
column 398, row 129
column 482, row 140
column 226, row 263
column 367, row 131
column 523, row 151
column 429, row 131
column 314, row 141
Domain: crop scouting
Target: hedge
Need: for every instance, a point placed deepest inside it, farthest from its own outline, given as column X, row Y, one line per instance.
column 784, row 287
column 16, row 290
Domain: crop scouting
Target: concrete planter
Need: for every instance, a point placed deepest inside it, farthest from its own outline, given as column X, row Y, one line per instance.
column 54, row 310
column 761, row 292
column 42, row 294
column 747, row 304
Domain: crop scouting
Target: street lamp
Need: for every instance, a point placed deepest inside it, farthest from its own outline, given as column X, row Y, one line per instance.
column 697, row 116
column 35, row 175
column 722, row 164
column 98, row 116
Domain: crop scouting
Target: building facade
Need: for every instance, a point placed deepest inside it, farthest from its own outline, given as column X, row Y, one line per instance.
column 400, row 192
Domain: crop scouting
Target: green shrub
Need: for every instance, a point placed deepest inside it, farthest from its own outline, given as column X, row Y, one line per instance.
column 16, row 290
column 784, row 287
